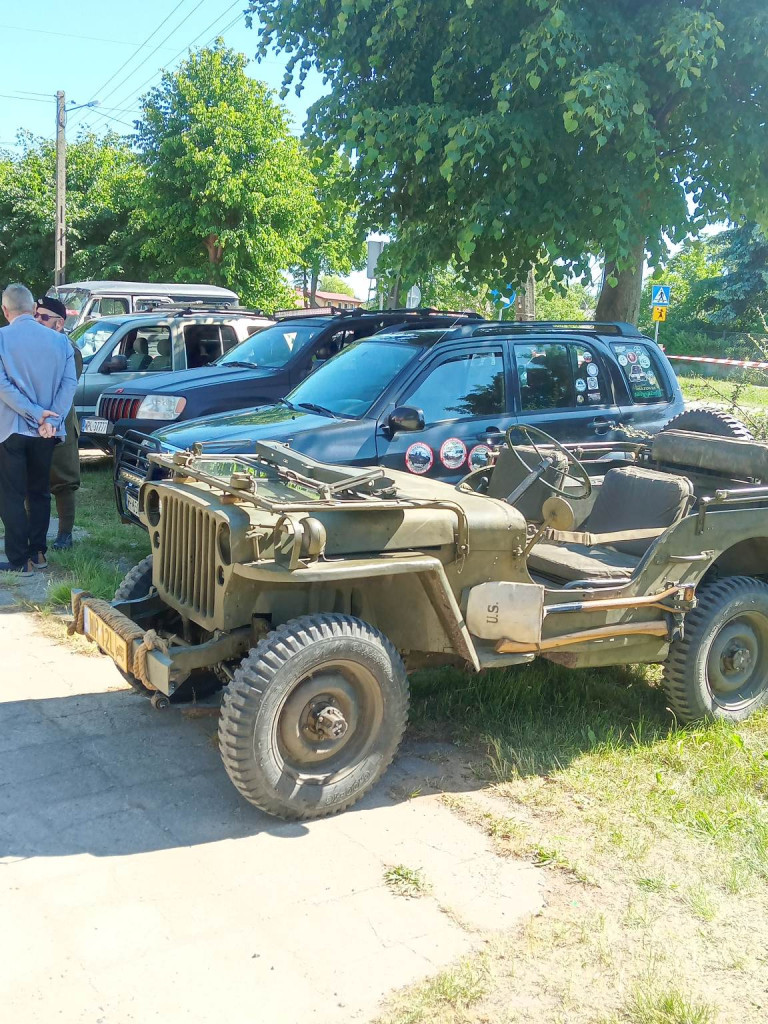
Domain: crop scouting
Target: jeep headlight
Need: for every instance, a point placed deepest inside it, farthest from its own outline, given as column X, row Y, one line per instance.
column 161, row 407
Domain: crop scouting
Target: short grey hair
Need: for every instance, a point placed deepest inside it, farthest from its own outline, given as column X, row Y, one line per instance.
column 17, row 298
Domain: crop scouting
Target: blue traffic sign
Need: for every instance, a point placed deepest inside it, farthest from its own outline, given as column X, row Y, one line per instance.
column 660, row 294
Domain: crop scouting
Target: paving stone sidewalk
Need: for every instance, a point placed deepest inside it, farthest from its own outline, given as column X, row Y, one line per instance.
column 137, row 885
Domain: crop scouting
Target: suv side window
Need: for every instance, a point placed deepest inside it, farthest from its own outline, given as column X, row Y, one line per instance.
column 202, row 343
column 468, row 385
column 228, row 337
column 640, row 367
column 333, row 345
column 110, row 306
column 147, row 349
column 555, row 376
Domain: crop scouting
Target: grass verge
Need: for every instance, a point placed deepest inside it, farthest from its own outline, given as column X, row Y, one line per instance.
column 100, row 559
column 653, row 837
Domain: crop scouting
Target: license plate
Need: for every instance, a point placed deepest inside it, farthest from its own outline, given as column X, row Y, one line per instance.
column 132, row 504
column 90, row 426
column 106, row 638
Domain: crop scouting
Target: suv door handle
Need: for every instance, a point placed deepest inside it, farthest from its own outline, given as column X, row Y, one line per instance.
column 602, row 424
column 485, row 435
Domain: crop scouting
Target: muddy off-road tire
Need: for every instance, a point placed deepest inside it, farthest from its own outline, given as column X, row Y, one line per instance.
column 135, row 584
column 280, row 730
column 720, row 667
column 710, row 421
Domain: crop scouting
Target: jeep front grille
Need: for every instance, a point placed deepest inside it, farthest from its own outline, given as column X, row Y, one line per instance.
column 188, row 555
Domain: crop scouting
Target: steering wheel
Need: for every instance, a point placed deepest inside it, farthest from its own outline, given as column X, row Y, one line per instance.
column 580, row 477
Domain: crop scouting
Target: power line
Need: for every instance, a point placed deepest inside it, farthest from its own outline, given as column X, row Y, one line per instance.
column 24, row 99
column 153, row 52
column 184, row 49
column 138, row 50
column 69, row 35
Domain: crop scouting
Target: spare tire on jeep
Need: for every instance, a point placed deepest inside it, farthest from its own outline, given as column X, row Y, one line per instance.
column 710, row 421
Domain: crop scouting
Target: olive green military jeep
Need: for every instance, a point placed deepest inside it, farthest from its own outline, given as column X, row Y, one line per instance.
column 311, row 591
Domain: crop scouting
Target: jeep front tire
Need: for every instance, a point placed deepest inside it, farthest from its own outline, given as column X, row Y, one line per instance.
column 313, row 716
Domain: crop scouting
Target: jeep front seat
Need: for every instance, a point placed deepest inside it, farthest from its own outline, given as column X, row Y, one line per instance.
column 631, row 501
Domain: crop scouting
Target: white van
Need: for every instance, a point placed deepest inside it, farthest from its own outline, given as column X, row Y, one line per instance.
column 89, row 300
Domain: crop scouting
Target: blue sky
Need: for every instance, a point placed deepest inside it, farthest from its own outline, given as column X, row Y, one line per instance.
column 79, row 46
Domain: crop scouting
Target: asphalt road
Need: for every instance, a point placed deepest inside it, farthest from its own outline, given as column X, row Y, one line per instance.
column 136, row 885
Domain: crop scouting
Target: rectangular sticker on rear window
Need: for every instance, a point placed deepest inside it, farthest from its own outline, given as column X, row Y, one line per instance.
column 641, row 372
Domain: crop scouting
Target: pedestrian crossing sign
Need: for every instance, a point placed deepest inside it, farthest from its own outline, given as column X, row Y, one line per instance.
column 660, row 314
column 660, row 294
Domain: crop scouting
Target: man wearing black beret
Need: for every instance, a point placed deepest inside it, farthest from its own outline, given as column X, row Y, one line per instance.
column 65, row 468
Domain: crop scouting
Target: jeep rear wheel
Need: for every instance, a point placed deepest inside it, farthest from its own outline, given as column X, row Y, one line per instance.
column 313, row 716
column 719, row 669
column 137, row 584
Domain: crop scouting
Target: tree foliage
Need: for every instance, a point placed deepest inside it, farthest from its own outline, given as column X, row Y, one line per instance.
column 740, row 293
column 692, row 273
column 104, row 181
column 496, row 134
column 335, row 284
column 229, row 193
column 334, row 240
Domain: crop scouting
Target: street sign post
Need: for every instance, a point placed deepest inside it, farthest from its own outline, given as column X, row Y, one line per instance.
column 660, row 299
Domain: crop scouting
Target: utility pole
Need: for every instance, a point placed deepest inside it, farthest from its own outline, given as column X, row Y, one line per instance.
column 60, row 238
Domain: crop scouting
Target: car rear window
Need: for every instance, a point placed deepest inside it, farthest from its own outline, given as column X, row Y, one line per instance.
column 640, row 366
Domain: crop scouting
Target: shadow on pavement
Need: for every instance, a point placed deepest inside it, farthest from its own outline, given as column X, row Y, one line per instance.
column 106, row 774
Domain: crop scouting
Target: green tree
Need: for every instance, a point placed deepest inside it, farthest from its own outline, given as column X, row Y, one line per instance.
column 229, row 192
column 692, row 274
column 739, row 296
column 104, row 181
column 575, row 303
column 444, row 289
column 332, row 283
column 334, row 241
column 497, row 134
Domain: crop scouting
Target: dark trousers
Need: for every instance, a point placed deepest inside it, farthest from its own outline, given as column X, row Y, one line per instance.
column 25, row 473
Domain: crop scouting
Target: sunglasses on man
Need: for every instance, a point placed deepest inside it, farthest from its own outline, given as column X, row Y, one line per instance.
column 46, row 317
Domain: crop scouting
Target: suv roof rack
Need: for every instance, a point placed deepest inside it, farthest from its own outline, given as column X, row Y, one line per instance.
column 190, row 309
column 541, row 326
column 288, row 314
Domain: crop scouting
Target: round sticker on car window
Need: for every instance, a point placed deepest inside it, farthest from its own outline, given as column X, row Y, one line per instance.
column 644, row 361
column 419, row 458
column 622, row 360
column 592, row 370
column 453, row 453
column 479, row 457
column 581, row 384
column 587, row 357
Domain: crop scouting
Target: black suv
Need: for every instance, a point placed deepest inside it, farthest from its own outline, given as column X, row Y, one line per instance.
column 259, row 370
column 434, row 401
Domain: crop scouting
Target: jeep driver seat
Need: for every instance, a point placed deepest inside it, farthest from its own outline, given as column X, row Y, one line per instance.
column 632, row 508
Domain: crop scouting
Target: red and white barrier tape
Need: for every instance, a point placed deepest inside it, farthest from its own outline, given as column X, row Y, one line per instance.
column 720, row 362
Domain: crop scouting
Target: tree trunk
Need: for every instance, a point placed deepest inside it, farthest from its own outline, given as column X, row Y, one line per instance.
column 622, row 301
column 305, row 287
column 215, row 256
column 313, row 288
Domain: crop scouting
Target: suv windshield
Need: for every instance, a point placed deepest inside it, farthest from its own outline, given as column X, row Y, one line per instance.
column 350, row 383
column 90, row 337
column 273, row 346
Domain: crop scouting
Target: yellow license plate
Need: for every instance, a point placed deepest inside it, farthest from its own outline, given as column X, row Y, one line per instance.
column 106, row 638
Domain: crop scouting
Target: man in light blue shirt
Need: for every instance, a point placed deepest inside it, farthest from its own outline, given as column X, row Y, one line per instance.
column 37, row 386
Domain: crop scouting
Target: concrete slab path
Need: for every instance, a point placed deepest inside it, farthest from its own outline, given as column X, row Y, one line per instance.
column 136, row 885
